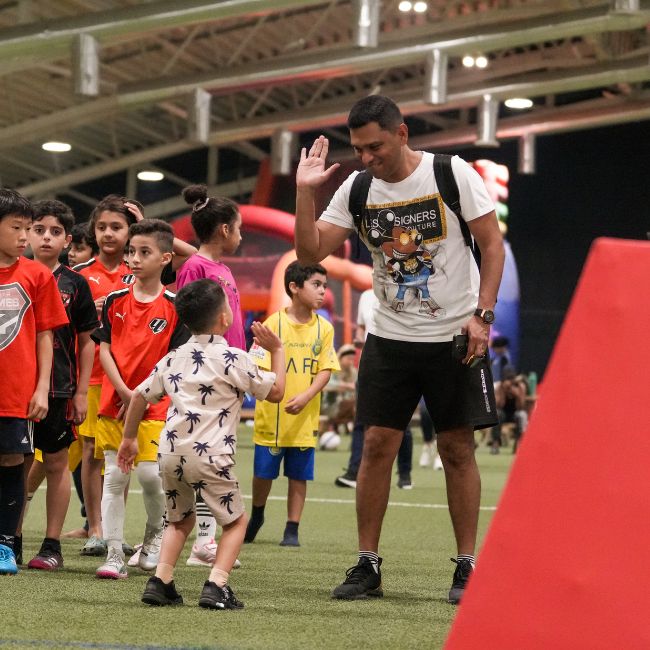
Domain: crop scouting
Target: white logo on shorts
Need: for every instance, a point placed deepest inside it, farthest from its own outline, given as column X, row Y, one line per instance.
column 485, row 392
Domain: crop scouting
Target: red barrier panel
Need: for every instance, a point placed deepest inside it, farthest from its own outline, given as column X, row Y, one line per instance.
column 565, row 561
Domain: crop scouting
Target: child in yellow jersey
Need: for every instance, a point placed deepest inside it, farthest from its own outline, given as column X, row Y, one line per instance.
column 289, row 430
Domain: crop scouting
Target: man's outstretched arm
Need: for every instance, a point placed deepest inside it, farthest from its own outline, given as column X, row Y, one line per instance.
column 314, row 240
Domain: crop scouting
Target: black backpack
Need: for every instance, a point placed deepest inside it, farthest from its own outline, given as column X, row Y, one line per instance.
column 448, row 191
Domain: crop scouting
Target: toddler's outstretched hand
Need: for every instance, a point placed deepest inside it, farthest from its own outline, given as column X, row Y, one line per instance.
column 265, row 338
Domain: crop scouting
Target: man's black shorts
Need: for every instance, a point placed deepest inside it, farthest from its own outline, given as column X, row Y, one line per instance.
column 54, row 433
column 16, row 436
column 393, row 375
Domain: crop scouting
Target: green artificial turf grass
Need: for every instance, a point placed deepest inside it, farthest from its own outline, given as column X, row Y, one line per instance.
column 286, row 590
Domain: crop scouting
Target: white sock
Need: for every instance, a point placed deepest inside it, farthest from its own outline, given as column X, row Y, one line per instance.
column 471, row 558
column 206, row 524
column 113, row 502
column 373, row 557
column 153, row 495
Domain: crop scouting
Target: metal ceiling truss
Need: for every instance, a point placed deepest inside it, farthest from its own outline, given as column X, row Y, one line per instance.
column 168, row 77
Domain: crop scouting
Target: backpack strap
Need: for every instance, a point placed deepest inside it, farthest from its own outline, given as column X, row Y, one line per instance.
column 448, row 188
column 359, row 196
column 357, row 201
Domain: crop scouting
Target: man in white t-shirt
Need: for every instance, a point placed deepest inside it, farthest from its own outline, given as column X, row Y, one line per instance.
column 429, row 290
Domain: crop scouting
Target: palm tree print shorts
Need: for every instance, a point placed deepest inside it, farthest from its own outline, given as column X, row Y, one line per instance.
column 210, row 477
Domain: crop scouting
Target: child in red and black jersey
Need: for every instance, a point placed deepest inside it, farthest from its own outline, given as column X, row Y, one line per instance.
column 30, row 308
column 139, row 327
column 49, row 236
column 109, row 226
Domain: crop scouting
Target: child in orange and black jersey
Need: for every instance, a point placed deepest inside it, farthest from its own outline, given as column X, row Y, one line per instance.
column 31, row 309
column 139, row 327
column 72, row 364
column 108, row 227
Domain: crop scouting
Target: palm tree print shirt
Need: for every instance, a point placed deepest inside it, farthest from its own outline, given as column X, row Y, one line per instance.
column 205, row 380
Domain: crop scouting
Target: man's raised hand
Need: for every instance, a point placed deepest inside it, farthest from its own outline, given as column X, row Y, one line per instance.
column 311, row 168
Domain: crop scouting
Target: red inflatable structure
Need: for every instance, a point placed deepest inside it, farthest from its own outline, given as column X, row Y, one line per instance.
column 564, row 564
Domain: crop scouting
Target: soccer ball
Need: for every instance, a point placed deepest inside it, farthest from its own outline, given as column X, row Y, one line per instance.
column 329, row 441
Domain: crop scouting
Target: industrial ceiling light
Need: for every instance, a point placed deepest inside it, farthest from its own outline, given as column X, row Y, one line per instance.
column 366, row 29
column 405, row 6
column 150, row 175
column 435, row 88
column 420, row 7
column 518, row 103
column 526, row 162
column 481, row 61
column 57, row 147
column 468, row 61
column 487, row 122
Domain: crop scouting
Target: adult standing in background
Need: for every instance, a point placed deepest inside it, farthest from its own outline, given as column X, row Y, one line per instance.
column 429, row 289
column 365, row 317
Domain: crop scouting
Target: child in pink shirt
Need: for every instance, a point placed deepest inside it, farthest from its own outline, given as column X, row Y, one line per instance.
column 217, row 223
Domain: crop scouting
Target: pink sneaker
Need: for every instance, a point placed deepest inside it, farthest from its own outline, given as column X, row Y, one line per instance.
column 114, row 568
column 204, row 555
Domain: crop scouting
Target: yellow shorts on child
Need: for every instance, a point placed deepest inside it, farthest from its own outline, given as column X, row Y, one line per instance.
column 74, row 454
column 110, row 433
column 88, row 427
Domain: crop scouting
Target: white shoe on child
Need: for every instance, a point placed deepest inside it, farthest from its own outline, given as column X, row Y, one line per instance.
column 114, row 568
column 204, row 555
column 150, row 551
column 425, row 457
column 134, row 560
column 437, row 463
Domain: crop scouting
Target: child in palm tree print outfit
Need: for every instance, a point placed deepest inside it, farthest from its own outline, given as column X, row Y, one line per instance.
column 206, row 380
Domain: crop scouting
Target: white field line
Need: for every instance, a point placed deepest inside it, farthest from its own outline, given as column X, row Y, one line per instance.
column 397, row 504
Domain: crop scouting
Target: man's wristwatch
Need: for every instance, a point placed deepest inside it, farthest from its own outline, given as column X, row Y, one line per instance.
column 486, row 315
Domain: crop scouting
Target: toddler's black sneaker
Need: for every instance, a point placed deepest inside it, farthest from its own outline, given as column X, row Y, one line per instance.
column 156, row 592
column 213, row 597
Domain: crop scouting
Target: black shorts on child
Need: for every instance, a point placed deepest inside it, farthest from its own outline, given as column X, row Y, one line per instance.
column 54, row 432
column 16, row 436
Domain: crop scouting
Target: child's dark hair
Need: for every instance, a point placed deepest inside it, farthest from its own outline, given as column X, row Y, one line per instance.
column 57, row 209
column 14, row 204
column 300, row 274
column 375, row 108
column 208, row 213
column 198, row 304
column 112, row 203
column 80, row 235
column 161, row 231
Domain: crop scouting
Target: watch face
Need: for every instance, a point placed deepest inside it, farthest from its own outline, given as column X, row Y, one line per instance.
column 488, row 316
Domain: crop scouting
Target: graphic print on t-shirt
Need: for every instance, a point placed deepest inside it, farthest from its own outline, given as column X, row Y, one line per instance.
column 14, row 302
column 407, row 234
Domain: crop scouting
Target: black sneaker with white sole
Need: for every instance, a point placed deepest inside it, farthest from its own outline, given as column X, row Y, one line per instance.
column 404, row 482
column 156, row 592
column 464, row 570
column 361, row 582
column 213, row 597
column 349, row 479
